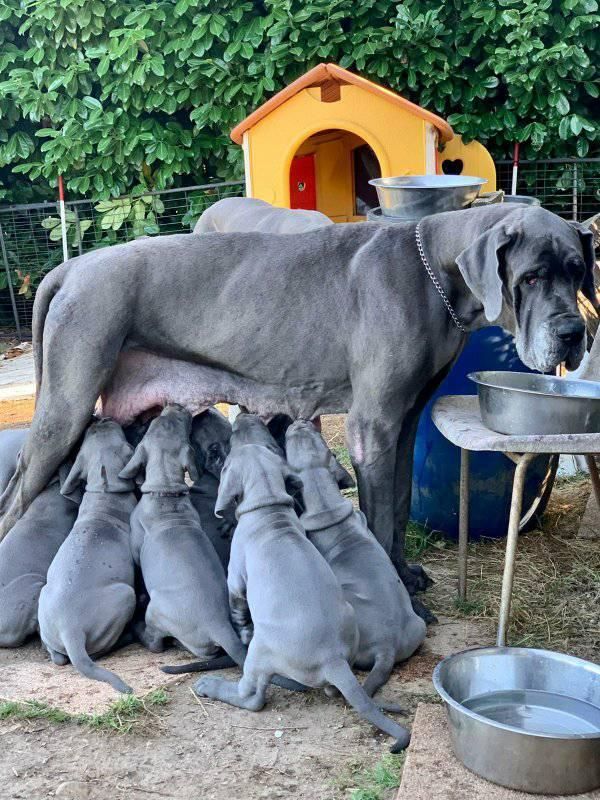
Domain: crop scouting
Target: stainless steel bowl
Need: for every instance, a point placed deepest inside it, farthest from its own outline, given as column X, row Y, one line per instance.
column 525, row 403
column 523, row 718
column 412, row 197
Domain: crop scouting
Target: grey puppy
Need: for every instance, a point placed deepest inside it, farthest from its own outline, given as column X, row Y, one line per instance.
column 184, row 577
column 341, row 318
column 246, row 214
column 389, row 629
column 25, row 557
column 210, row 441
column 11, row 442
column 284, row 596
column 89, row 597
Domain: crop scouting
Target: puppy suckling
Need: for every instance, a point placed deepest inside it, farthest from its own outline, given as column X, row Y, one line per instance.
column 389, row 629
column 283, row 595
column 89, row 597
column 184, row 577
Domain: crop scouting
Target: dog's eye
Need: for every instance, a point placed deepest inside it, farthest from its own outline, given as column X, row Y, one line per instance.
column 531, row 280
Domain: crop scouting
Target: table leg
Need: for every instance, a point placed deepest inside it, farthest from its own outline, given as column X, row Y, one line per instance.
column 593, row 468
column 516, row 505
column 463, row 524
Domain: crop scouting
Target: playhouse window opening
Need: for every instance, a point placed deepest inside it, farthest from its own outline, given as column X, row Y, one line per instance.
column 330, row 173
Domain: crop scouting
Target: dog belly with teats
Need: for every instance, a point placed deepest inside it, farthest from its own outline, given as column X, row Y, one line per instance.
column 143, row 380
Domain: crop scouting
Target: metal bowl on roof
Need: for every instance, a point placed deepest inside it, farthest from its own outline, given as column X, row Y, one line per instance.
column 412, row 197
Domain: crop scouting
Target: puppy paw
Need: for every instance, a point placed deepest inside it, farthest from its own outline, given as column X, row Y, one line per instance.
column 203, row 686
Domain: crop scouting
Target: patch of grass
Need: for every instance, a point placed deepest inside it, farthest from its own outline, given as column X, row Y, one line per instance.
column 126, row 715
column 469, row 608
column 32, row 709
column 419, row 539
column 373, row 783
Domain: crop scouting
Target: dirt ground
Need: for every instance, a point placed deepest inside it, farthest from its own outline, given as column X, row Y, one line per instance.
column 301, row 746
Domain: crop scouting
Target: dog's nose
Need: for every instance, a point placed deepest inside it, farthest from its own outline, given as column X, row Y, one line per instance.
column 571, row 332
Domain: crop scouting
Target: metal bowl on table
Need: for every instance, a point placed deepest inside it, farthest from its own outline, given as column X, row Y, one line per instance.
column 523, row 403
column 412, row 197
column 523, row 718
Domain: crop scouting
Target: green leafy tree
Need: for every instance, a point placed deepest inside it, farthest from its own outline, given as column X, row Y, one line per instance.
column 116, row 94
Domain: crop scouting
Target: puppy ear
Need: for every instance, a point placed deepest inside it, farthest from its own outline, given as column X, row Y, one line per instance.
column 342, row 476
column 136, row 463
column 293, row 483
column 75, row 496
column 188, row 462
column 70, row 483
column 479, row 264
column 230, row 489
column 586, row 239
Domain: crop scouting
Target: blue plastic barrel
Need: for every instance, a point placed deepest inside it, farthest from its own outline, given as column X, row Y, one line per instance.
column 436, row 469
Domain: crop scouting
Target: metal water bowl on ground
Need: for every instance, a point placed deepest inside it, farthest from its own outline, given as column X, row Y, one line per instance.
column 412, row 197
column 523, row 718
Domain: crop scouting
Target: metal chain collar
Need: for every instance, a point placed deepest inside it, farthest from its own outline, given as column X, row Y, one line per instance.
column 436, row 282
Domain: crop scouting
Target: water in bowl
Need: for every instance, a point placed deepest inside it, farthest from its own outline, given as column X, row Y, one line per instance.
column 537, row 712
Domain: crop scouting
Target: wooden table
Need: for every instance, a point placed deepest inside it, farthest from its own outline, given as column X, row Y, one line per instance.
column 458, row 419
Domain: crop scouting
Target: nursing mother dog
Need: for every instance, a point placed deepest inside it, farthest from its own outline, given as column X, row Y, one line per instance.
column 344, row 318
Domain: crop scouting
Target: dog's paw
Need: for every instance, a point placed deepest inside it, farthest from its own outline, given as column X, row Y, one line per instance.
column 422, row 611
column 414, row 577
column 203, row 686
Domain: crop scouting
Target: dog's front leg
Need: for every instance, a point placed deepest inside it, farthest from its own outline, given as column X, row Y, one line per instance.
column 372, row 443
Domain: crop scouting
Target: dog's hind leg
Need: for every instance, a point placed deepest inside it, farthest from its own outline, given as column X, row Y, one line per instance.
column 248, row 693
column 150, row 637
column 71, row 383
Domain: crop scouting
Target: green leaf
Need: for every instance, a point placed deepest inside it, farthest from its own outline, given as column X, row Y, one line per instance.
column 562, row 105
column 92, row 102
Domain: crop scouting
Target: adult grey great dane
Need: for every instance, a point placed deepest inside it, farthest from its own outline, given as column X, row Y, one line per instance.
column 343, row 318
column 245, row 214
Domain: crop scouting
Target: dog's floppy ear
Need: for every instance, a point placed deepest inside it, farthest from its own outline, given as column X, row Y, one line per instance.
column 479, row 264
column 188, row 462
column 76, row 495
column 71, row 480
column 137, row 462
column 230, row 489
column 342, row 476
column 586, row 239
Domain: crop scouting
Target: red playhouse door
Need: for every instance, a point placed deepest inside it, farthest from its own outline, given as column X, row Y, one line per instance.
column 303, row 183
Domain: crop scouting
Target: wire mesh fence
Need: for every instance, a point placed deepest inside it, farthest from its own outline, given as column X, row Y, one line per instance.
column 31, row 242
column 30, row 235
column 569, row 187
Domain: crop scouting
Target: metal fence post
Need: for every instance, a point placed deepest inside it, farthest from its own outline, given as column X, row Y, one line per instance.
column 10, row 286
column 574, row 205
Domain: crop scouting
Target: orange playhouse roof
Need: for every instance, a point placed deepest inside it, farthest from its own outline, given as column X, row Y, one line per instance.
column 331, row 74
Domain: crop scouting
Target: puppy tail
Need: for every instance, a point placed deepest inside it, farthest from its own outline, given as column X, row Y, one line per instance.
column 235, row 655
column 78, row 656
column 220, row 662
column 339, row 674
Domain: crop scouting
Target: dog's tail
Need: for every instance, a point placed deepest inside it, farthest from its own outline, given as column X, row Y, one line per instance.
column 220, row 662
column 339, row 674
column 380, row 672
column 78, row 656
column 43, row 297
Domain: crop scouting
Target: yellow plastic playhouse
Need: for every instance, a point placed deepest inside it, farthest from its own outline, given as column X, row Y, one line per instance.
column 317, row 143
